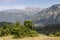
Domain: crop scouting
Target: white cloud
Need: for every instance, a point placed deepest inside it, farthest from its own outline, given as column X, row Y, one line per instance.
column 8, row 1
column 18, row 7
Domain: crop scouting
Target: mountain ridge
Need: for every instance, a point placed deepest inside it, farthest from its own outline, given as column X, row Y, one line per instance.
column 13, row 15
column 50, row 15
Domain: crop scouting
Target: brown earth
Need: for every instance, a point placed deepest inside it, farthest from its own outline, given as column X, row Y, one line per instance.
column 41, row 37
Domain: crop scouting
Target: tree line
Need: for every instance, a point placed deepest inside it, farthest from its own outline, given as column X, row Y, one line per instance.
column 49, row 29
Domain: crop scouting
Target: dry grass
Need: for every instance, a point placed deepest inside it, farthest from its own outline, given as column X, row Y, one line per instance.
column 41, row 37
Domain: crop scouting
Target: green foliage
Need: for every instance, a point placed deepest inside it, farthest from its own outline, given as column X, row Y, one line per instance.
column 57, row 34
column 29, row 24
column 51, row 35
column 49, row 30
column 1, row 32
column 33, row 33
column 25, row 32
column 18, row 30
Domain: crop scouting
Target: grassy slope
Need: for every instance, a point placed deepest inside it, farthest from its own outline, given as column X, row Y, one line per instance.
column 41, row 37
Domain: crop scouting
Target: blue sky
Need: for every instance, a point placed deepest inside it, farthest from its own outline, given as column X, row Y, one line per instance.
column 21, row 4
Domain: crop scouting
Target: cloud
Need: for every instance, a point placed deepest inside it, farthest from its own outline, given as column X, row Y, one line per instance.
column 18, row 7
column 8, row 1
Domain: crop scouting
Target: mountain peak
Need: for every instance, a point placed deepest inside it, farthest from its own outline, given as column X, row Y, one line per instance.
column 56, row 5
column 33, row 9
column 49, row 15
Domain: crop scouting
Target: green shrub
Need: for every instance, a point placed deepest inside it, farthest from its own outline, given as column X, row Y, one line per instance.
column 23, row 32
column 1, row 32
column 18, row 30
column 51, row 35
column 33, row 33
column 57, row 34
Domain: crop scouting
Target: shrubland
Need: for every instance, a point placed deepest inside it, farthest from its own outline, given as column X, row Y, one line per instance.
column 49, row 29
column 18, row 30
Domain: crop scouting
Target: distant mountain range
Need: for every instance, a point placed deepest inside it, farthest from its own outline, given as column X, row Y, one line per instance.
column 50, row 15
column 18, row 15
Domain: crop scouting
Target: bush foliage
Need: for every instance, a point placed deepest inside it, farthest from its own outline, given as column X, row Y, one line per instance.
column 18, row 30
column 49, row 30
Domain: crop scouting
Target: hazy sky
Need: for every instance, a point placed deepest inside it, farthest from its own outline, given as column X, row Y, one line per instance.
column 21, row 4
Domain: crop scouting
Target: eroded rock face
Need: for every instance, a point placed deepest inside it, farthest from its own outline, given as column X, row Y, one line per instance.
column 49, row 15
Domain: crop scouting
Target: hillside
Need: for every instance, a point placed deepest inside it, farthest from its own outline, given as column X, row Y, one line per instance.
column 13, row 15
column 50, row 15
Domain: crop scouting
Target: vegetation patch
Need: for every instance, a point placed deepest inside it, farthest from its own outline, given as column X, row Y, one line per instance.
column 18, row 30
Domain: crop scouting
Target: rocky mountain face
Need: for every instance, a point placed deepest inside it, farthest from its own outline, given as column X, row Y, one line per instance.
column 16, row 15
column 49, row 15
column 33, row 10
column 13, row 15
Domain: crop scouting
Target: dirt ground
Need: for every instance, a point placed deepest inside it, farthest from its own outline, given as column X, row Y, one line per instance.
column 41, row 37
